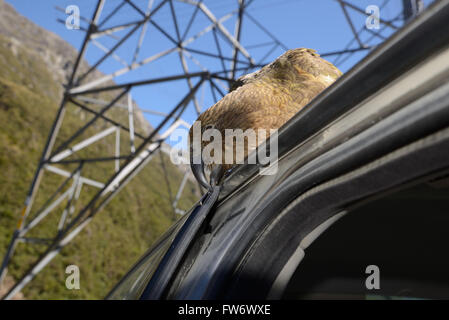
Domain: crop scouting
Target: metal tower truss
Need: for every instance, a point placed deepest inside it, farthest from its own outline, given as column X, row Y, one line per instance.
column 364, row 38
column 149, row 46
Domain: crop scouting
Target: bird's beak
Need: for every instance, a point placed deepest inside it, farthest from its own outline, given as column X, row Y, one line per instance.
column 198, row 172
column 198, row 168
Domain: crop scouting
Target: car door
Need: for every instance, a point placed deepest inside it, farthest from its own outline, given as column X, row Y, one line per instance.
column 383, row 126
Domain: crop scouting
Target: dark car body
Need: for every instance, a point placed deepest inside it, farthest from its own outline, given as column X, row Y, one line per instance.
column 382, row 127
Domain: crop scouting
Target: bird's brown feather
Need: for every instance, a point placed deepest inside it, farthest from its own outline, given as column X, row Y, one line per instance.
column 268, row 98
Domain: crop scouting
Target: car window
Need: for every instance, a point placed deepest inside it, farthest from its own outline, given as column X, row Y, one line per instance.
column 394, row 247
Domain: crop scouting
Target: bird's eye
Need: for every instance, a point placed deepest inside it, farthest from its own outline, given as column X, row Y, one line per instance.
column 209, row 126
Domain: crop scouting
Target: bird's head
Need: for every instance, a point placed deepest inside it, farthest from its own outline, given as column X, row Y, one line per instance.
column 296, row 64
column 293, row 65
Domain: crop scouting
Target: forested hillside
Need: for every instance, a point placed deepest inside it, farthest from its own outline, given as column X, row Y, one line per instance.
column 30, row 92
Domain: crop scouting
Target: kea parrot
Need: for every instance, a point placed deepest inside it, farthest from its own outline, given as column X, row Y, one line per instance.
column 265, row 99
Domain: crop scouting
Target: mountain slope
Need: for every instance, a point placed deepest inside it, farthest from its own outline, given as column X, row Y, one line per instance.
column 30, row 89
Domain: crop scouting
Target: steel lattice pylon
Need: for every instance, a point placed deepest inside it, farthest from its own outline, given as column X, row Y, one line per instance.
column 232, row 56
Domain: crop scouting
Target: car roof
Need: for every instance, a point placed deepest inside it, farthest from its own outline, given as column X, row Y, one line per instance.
column 402, row 51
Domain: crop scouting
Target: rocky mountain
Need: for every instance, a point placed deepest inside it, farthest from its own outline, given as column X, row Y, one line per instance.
column 33, row 64
column 57, row 54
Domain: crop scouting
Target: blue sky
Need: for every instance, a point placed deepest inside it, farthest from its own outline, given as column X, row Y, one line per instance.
column 317, row 24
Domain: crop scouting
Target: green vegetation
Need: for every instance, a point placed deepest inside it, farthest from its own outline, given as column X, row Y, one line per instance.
column 118, row 235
